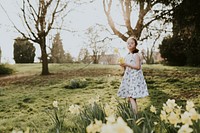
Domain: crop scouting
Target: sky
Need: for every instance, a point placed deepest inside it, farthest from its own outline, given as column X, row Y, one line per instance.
column 81, row 18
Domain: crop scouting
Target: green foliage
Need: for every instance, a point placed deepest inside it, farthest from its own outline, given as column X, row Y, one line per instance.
column 68, row 58
column 24, row 51
column 88, row 114
column 173, row 51
column 143, row 122
column 57, row 117
column 5, row 69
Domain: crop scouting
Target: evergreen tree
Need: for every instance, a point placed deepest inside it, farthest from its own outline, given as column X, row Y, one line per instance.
column 184, row 47
column 24, row 51
column 68, row 58
column 57, row 51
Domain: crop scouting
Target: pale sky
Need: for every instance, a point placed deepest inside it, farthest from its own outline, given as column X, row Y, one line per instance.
column 79, row 19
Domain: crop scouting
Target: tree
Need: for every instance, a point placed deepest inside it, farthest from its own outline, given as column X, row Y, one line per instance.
column 24, row 51
column 147, row 13
column 84, row 55
column 57, row 51
column 95, row 42
column 183, row 48
column 148, row 55
column 173, row 51
column 39, row 19
column 68, row 58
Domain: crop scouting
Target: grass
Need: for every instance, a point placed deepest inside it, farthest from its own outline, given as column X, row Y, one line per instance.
column 25, row 95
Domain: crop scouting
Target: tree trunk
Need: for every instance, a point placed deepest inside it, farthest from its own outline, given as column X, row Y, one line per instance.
column 45, row 69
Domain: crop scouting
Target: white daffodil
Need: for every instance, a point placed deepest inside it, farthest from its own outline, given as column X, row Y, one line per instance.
column 194, row 115
column 75, row 109
column 185, row 129
column 55, row 104
column 189, row 105
column 110, row 119
column 153, row 109
column 186, row 119
column 174, row 119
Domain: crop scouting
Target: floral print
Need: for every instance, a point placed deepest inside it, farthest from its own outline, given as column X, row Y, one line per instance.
column 133, row 83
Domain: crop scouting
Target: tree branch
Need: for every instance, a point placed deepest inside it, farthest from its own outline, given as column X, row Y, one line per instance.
column 110, row 21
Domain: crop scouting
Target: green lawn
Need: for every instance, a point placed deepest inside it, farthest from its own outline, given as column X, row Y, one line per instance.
column 25, row 95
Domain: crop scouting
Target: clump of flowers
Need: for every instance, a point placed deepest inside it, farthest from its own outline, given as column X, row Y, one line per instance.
column 111, row 126
column 180, row 118
column 121, row 60
column 75, row 109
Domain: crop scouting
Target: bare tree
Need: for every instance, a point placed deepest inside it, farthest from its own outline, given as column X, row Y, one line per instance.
column 96, row 42
column 148, row 55
column 144, row 7
column 38, row 19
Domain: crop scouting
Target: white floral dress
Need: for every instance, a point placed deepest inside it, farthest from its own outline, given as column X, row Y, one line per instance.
column 133, row 83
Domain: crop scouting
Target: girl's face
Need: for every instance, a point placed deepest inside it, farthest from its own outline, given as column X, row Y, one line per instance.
column 131, row 44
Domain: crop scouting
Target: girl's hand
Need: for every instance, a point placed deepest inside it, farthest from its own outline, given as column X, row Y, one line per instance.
column 123, row 64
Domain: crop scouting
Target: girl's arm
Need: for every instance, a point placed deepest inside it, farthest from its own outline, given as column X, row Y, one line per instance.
column 137, row 65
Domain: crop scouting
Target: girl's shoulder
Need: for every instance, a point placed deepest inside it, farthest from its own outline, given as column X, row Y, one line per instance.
column 138, row 55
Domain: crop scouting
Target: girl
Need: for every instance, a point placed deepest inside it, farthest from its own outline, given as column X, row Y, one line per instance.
column 133, row 84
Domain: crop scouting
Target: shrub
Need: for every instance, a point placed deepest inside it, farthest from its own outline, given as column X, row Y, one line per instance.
column 24, row 51
column 76, row 83
column 5, row 69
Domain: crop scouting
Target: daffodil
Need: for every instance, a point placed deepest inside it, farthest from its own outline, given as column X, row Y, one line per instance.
column 55, row 104
column 171, row 103
column 107, row 128
column 167, row 108
column 121, row 126
column 121, row 60
column 74, row 109
column 177, row 110
column 155, row 123
column 163, row 116
column 153, row 109
column 110, row 119
column 174, row 119
column 194, row 115
column 116, row 50
column 90, row 128
column 185, row 129
column 186, row 119
column 189, row 105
